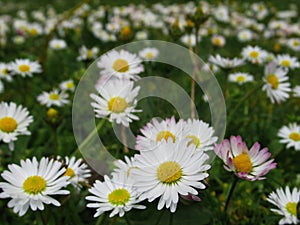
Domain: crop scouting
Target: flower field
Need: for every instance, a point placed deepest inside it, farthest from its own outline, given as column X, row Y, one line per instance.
column 156, row 113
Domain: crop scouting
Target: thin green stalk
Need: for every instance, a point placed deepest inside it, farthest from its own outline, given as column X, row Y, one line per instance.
column 55, row 141
column 230, row 194
column 159, row 217
column 100, row 219
column 127, row 220
column 171, row 219
column 44, row 221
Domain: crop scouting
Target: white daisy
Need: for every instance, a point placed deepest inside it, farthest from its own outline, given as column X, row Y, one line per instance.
column 14, row 121
column 25, row 67
column 296, row 91
column 53, row 98
column 1, row 87
column 225, row 62
column 189, row 39
column 169, row 170
column 200, row 134
column 155, row 132
column 287, row 62
column 254, row 54
column 218, row 40
column 149, row 53
column 87, row 54
column 32, row 184
column 116, row 100
column 122, row 65
column 286, row 202
column 294, row 43
column 124, row 167
column 245, row 35
column 240, row 78
column 77, row 171
column 4, row 72
column 276, row 83
column 57, row 44
column 117, row 195
column 67, row 85
column 290, row 135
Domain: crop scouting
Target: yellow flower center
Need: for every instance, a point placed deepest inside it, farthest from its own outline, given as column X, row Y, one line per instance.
column 217, row 41
column 294, row 136
column 54, row 96
column 273, row 80
column 4, row 71
column 117, row 105
column 33, row 31
column 69, row 172
column 291, row 207
column 8, row 124
column 166, row 135
column 242, row 163
column 24, row 68
column 254, row 54
column 296, row 43
column 70, row 85
column 119, row 197
column 169, row 172
column 34, row 185
column 194, row 140
column 126, row 31
column 286, row 63
column 89, row 54
column 149, row 55
column 121, row 65
column 240, row 78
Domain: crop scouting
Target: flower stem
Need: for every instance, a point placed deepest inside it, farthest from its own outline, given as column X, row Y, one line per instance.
column 127, row 220
column 171, row 219
column 100, row 219
column 44, row 221
column 159, row 217
column 230, row 194
column 124, row 139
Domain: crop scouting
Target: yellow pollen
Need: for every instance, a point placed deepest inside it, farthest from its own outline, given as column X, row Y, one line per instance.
column 149, row 55
column 169, row 172
column 291, row 207
column 286, row 63
column 4, row 71
column 70, row 85
column 8, row 124
column 117, row 105
column 166, row 135
column 24, row 68
column 194, row 140
column 54, row 96
column 89, row 54
column 273, row 80
column 69, row 172
column 121, row 65
column 34, row 185
column 254, row 54
column 242, row 163
column 119, row 197
column 240, row 78
column 33, row 32
column 294, row 136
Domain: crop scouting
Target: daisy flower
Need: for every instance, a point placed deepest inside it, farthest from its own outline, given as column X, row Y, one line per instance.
column 290, row 135
column 32, row 184
column 4, row 72
column 116, row 100
column 296, row 91
column 14, row 121
column 67, row 85
column 154, row 132
column 169, row 170
column 87, row 54
column 200, row 134
column 53, row 98
column 286, row 201
column 123, row 65
column 240, row 78
column 124, row 167
column 254, row 54
column 149, row 53
column 287, row 62
column 245, row 35
column 218, row 40
column 25, row 67
column 225, row 62
column 246, row 164
column 276, row 83
column 57, row 44
column 294, row 43
column 189, row 39
column 117, row 195
column 77, row 170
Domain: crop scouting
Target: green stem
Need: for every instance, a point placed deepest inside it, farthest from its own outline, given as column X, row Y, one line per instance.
column 171, row 219
column 159, row 217
column 100, row 219
column 127, row 220
column 230, row 194
column 55, row 141
column 89, row 137
column 44, row 221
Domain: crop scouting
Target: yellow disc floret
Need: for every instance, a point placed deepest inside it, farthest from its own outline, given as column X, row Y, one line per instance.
column 294, row 136
column 169, row 172
column 8, row 124
column 165, row 135
column 291, row 207
column 242, row 163
column 119, row 197
column 117, row 105
column 24, row 68
column 121, row 65
column 273, row 80
column 34, row 185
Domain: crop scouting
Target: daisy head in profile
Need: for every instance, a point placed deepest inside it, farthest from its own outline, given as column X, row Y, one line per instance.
column 57, row 44
column 120, row 64
column 226, row 63
column 25, row 67
column 240, row 78
column 116, row 99
column 290, row 135
column 149, row 53
column 53, row 98
column 14, row 121
column 254, row 54
column 247, row 164
column 285, row 61
column 87, row 53
column 32, row 184
column 286, row 201
column 276, row 83
column 5, row 72
column 67, row 85
column 116, row 194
